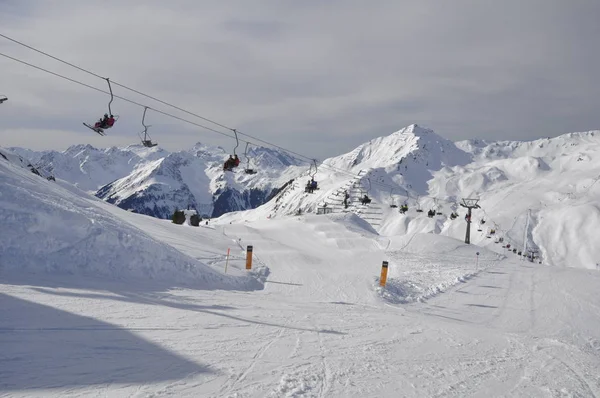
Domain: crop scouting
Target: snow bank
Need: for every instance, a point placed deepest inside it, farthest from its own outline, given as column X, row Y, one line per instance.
column 569, row 235
column 353, row 223
column 47, row 229
column 423, row 265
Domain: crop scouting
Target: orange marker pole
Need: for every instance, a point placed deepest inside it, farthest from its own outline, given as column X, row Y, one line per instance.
column 249, row 257
column 384, row 269
column 227, row 260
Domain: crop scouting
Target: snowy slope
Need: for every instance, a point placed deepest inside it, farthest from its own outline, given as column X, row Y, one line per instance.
column 321, row 327
column 52, row 228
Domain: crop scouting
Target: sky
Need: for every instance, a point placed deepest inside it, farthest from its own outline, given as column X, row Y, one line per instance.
column 319, row 78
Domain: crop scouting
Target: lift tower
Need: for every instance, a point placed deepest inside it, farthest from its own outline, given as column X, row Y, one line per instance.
column 470, row 204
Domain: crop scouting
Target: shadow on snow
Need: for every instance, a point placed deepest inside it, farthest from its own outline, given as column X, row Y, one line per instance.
column 44, row 347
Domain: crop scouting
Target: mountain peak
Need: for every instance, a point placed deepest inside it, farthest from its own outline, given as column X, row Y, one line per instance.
column 416, row 130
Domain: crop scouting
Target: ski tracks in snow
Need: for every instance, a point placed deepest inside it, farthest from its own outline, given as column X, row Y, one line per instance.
column 312, row 377
column 230, row 388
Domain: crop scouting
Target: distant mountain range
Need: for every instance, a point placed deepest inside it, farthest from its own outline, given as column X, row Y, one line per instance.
column 540, row 196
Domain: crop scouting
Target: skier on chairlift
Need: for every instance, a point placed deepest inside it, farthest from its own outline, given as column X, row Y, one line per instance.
column 106, row 122
column 229, row 164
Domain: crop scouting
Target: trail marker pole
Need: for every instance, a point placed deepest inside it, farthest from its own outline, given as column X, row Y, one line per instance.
column 384, row 269
column 249, row 257
column 227, row 260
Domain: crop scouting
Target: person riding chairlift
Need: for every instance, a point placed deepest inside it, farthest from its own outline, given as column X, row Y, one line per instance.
column 229, row 163
column 311, row 185
column 106, row 122
column 236, row 161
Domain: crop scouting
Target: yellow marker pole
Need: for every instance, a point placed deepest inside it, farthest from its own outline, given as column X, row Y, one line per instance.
column 227, row 260
column 384, row 269
column 249, row 257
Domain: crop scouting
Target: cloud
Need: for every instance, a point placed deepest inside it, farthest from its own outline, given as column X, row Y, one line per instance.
column 317, row 77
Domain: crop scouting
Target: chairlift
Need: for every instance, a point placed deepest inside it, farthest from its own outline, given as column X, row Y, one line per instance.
column 393, row 204
column 419, row 210
column 146, row 141
column 312, row 184
column 3, row 98
column 109, row 119
column 248, row 170
column 233, row 161
column 437, row 207
column 312, row 171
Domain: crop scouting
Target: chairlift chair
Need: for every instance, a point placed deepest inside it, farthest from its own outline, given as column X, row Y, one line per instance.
column 3, row 98
column 96, row 127
column 248, row 170
column 404, row 208
column 419, row 210
column 146, row 141
column 312, row 183
column 237, row 143
column 393, row 204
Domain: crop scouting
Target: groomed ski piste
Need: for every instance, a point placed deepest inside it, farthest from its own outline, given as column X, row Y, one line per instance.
column 98, row 301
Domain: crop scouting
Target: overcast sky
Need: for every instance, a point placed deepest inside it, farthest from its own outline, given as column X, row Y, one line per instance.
column 318, row 77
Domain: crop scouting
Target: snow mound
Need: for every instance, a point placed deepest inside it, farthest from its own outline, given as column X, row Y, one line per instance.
column 48, row 229
column 353, row 223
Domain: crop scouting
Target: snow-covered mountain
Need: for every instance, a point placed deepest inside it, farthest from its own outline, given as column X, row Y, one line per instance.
column 90, row 168
column 540, row 195
column 535, row 196
column 156, row 182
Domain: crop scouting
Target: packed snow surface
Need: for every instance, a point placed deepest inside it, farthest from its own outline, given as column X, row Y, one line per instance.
column 98, row 301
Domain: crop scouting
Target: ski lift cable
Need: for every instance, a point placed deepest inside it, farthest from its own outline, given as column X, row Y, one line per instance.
column 141, row 93
column 155, row 99
column 117, row 96
column 114, row 82
column 299, row 156
column 173, row 106
column 307, row 159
